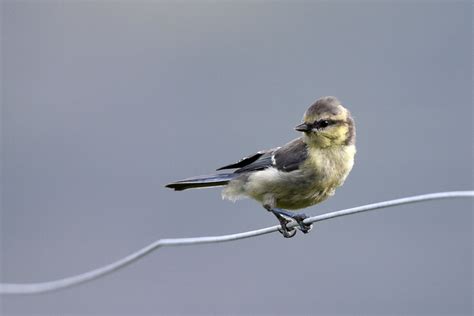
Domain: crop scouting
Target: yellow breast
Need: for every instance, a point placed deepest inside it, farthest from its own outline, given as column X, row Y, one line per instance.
column 331, row 165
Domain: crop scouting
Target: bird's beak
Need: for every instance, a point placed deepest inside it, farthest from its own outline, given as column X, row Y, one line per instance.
column 303, row 127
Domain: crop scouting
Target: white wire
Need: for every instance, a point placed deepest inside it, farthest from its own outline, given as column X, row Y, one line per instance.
column 34, row 288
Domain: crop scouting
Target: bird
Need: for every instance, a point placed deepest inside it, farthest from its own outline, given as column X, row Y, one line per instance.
column 299, row 174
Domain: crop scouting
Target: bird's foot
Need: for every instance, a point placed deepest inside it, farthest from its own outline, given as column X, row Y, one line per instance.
column 299, row 218
column 286, row 217
column 284, row 230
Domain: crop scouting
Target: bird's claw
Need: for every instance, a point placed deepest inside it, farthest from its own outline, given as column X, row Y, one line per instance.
column 284, row 230
column 305, row 228
column 287, row 233
column 285, row 217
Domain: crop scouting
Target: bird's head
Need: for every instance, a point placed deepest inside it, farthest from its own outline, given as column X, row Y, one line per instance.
column 327, row 123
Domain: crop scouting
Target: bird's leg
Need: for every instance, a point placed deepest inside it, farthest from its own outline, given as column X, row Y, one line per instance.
column 298, row 217
column 284, row 230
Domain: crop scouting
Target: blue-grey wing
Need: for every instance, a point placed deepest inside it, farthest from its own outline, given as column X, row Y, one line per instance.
column 291, row 156
column 287, row 158
column 244, row 161
column 263, row 162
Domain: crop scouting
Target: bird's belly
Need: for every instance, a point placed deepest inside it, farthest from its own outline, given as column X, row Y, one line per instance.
column 288, row 190
column 301, row 199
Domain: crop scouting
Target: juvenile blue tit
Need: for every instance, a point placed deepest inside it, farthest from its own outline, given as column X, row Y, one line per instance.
column 304, row 172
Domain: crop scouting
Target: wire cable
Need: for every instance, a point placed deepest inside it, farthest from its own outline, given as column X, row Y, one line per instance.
column 43, row 287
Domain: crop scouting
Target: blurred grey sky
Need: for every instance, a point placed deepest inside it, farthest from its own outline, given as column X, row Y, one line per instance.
column 104, row 102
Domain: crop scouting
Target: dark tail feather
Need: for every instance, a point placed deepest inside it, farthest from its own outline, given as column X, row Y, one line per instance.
column 202, row 181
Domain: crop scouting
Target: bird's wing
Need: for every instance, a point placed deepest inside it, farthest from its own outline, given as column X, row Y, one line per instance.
column 286, row 158
column 291, row 156
column 244, row 161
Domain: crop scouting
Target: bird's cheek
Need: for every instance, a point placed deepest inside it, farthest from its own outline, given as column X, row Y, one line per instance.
column 319, row 139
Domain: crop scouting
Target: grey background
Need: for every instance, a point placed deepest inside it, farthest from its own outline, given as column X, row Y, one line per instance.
column 105, row 102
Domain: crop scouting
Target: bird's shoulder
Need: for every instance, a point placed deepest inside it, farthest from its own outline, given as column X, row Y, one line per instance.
column 291, row 156
column 286, row 158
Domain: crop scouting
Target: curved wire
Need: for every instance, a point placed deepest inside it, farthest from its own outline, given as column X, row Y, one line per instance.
column 34, row 288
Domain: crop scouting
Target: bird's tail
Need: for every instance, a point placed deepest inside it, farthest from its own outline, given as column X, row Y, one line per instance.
column 202, row 181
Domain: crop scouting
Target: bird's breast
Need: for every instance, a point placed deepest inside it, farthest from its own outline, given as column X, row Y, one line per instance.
column 331, row 165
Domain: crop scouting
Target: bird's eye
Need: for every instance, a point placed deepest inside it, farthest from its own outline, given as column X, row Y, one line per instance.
column 323, row 123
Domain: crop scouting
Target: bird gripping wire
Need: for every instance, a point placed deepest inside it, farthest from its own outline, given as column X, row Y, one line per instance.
column 43, row 287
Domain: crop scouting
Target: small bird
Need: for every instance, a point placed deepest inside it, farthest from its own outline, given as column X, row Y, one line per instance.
column 304, row 172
